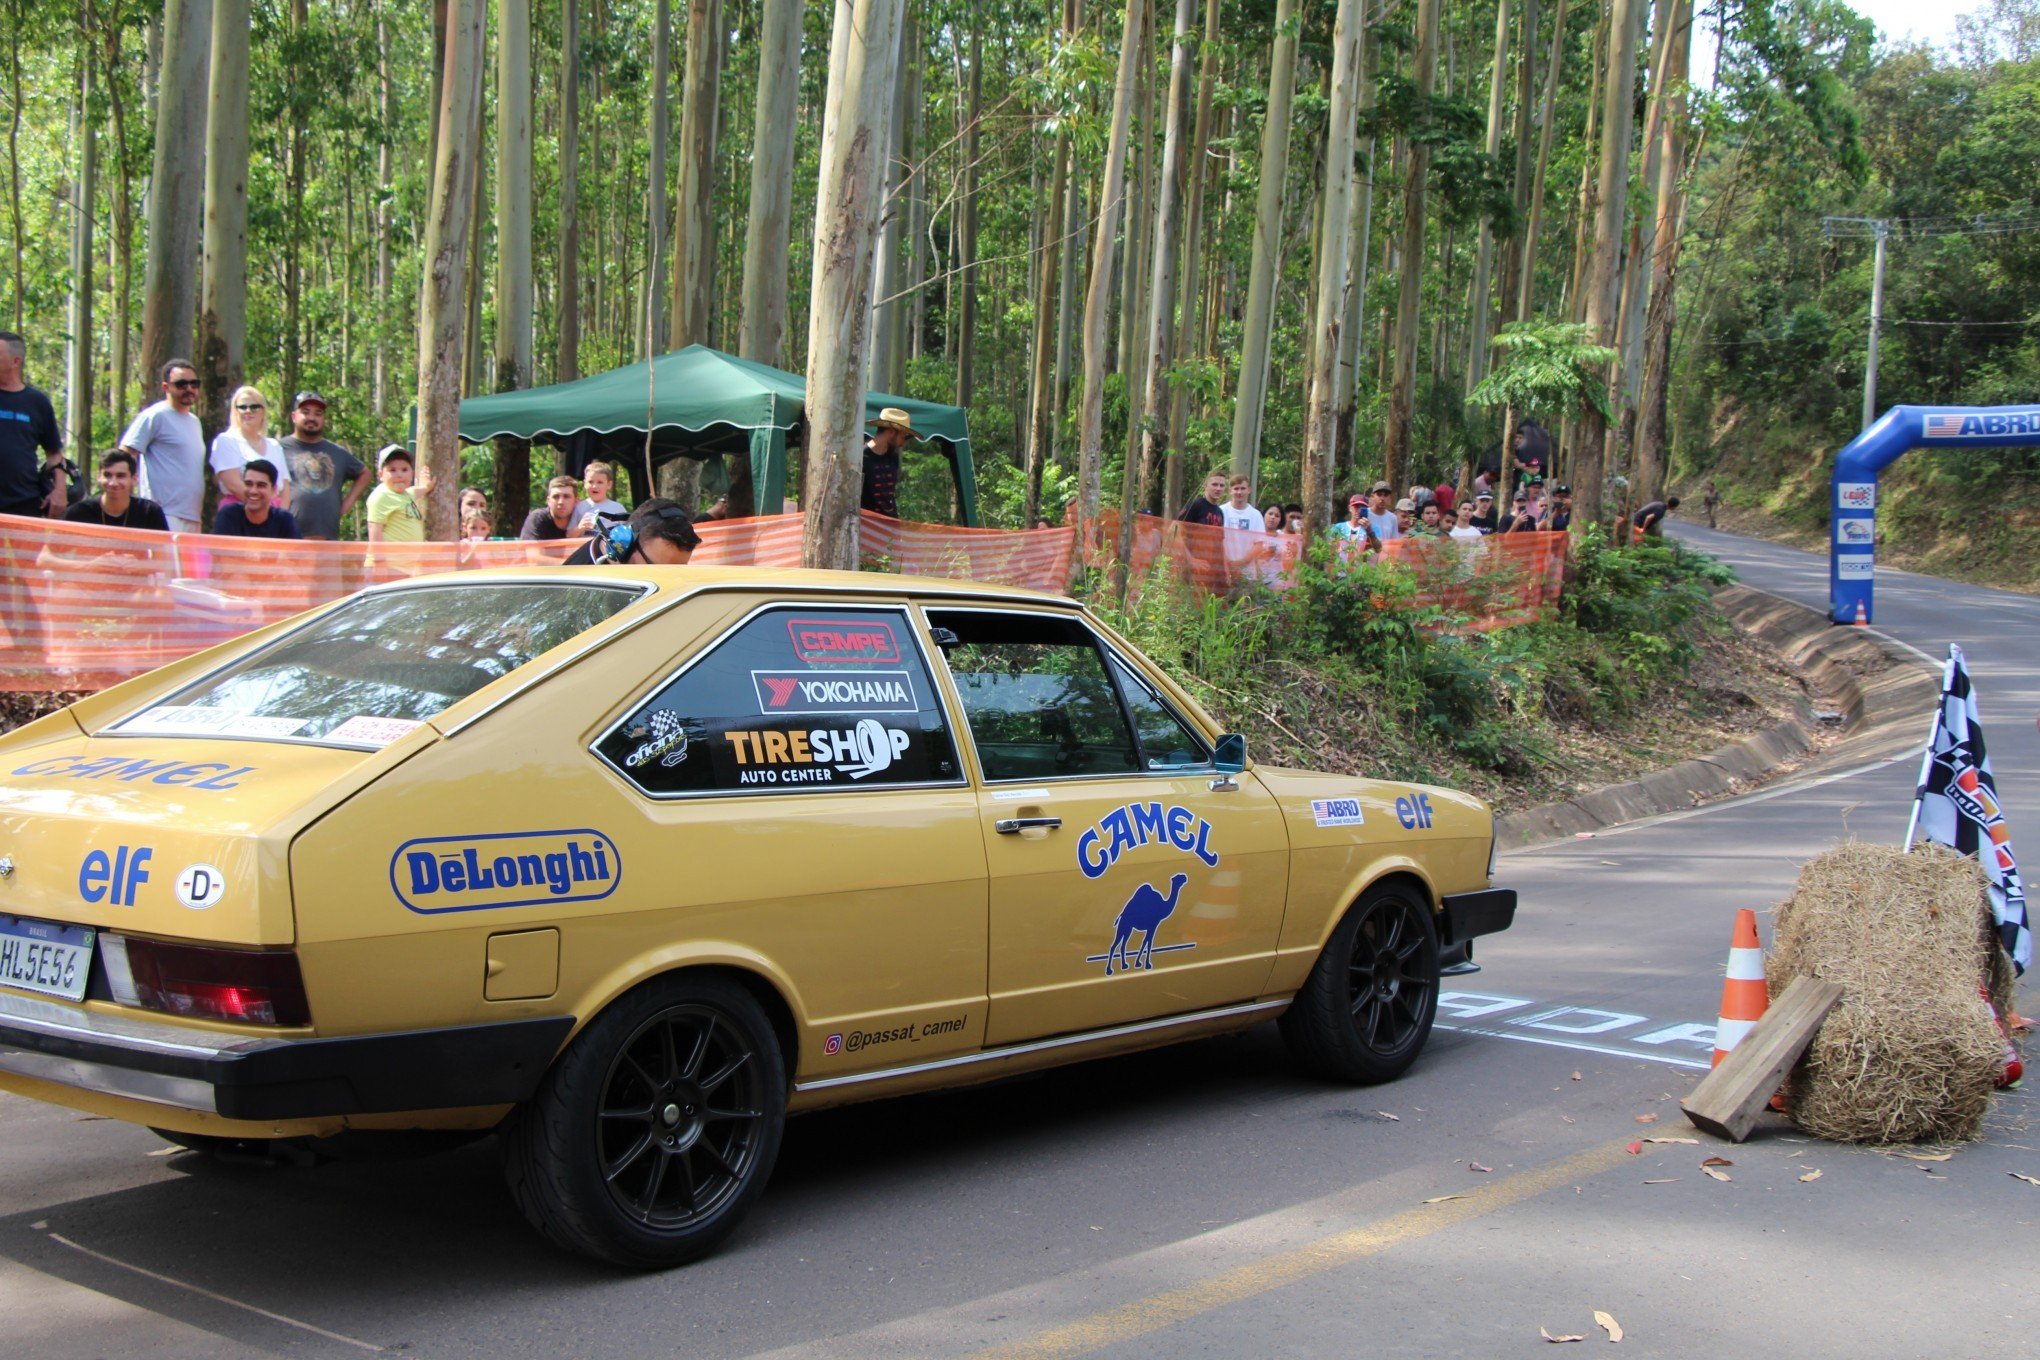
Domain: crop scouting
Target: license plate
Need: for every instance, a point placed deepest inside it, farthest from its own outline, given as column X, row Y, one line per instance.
column 39, row 956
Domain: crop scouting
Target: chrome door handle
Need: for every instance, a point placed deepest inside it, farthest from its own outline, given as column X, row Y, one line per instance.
column 1013, row 826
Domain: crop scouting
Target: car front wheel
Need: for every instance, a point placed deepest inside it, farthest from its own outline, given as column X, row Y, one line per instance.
column 1366, row 1009
column 656, row 1130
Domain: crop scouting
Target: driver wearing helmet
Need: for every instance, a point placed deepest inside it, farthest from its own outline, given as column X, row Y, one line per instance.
column 657, row 532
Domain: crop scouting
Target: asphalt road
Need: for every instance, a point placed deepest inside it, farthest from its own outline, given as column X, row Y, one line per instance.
column 1204, row 1200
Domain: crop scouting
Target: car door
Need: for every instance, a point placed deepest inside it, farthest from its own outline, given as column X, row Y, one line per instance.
column 1127, row 879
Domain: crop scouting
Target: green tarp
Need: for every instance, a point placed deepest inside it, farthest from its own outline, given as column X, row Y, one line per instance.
column 698, row 403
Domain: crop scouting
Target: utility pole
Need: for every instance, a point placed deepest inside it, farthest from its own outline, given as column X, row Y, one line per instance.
column 1879, row 229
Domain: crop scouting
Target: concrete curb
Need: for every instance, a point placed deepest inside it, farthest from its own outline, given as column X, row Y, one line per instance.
column 1886, row 692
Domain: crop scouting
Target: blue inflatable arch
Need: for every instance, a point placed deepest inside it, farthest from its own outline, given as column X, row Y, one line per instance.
column 1852, row 531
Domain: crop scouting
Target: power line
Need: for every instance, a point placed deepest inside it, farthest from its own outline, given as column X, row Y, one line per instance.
column 1917, row 228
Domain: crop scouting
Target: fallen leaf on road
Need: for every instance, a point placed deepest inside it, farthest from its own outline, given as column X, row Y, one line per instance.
column 1667, row 1180
column 1694, row 1141
column 1476, row 1166
column 1608, row 1324
column 1391, row 1118
column 2022, row 1176
column 1612, row 863
column 1717, row 1174
column 166, row 1152
column 1440, row 1199
column 1634, row 1149
column 1576, row 1076
column 1646, row 1119
column 1717, row 1161
column 1925, row 1157
column 1549, row 1337
column 1567, row 1118
column 1811, row 1176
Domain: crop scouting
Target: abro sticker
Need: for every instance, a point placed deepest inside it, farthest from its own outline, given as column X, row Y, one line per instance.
column 1336, row 812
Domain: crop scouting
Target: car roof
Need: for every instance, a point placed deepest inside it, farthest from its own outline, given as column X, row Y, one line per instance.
column 765, row 580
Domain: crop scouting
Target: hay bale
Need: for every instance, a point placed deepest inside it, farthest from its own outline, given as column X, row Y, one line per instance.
column 1911, row 1053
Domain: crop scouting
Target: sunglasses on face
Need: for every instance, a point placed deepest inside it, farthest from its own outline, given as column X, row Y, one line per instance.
column 184, row 384
column 257, row 406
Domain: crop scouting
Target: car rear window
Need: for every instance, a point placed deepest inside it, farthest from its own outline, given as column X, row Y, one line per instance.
column 381, row 664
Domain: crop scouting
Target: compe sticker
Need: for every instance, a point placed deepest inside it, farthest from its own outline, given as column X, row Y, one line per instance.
column 1336, row 812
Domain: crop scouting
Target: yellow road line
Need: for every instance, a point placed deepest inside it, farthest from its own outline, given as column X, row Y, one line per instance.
column 1170, row 1307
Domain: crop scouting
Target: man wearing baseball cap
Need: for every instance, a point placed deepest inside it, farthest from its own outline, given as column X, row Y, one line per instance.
column 326, row 480
column 882, row 462
column 1558, row 518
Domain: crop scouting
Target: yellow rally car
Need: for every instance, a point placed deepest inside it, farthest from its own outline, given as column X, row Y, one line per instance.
column 627, row 865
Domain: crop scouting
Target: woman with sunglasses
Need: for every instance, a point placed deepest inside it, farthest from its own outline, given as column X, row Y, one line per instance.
column 247, row 437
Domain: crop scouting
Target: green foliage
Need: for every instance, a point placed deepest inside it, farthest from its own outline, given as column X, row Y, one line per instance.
column 1546, row 366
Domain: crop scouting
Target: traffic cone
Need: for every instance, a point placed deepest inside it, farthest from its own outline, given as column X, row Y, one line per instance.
column 1744, row 996
column 1862, row 615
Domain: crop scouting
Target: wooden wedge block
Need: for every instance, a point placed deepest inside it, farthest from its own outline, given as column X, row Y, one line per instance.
column 1728, row 1100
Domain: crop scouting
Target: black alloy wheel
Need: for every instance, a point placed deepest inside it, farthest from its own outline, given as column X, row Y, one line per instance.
column 1366, row 1010
column 655, row 1131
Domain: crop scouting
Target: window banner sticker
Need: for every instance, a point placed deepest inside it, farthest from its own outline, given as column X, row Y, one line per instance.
column 843, row 641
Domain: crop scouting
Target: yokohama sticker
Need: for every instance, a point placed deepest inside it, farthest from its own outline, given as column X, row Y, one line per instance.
column 834, row 692
column 843, row 642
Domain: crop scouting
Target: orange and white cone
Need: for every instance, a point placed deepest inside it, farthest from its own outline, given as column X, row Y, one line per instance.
column 1862, row 615
column 1744, row 996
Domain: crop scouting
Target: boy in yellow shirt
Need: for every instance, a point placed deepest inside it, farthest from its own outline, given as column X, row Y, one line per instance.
column 394, row 515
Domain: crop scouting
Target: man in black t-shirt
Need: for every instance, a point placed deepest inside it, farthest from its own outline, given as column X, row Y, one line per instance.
column 257, row 515
column 28, row 426
column 1203, row 508
column 117, row 505
column 1650, row 520
column 1558, row 518
column 554, row 519
column 881, row 492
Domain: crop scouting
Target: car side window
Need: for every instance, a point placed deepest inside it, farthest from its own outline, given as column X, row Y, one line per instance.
column 1037, row 696
column 1166, row 741
column 795, row 698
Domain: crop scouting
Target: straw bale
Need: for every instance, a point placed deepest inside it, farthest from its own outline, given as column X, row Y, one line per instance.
column 1912, row 1052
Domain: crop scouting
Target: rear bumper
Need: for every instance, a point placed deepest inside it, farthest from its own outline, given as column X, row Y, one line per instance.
column 1466, row 915
column 281, row 1078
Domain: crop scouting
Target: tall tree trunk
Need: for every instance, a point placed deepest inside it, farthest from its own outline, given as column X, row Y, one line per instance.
column 294, row 190
column 1133, row 296
column 762, row 332
column 1586, row 211
column 694, row 261
column 653, row 321
column 176, row 186
column 888, row 308
column 223, row 319
column 1195, row 299
column 967, row 230
column 513, row 353
column 1359, row 255
column 1483, row 254
column 1617, row 122
column 1636, row 270
column 84, row 191
column 14, row 22
column 1526, row 98
column 385, row 218
column 122, row 262
column 1098, row 292
column 1042, row 412
column 1153, row 430
column 1320, row 430
column 865, row 41
column 1396, row 439
column 1526, row 259
column 1652, row 452
column 567, row 363
column 442, row 318
column 1252, row 390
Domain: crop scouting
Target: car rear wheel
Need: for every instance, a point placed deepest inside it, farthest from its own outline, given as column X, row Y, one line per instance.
column 1366, row 1009
column 656, row 1130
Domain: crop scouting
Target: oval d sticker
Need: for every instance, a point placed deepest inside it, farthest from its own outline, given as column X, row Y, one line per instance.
column 200, row 886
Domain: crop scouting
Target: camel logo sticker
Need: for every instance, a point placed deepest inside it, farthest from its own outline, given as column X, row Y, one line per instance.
column 1149, row 905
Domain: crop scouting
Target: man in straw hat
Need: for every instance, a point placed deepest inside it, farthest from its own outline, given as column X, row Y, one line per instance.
column 882, row 462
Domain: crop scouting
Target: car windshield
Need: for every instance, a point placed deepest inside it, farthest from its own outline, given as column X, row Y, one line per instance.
column 381, row 664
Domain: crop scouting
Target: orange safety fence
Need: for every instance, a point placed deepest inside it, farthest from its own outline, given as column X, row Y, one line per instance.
column 1491, row 582
column 84, row 606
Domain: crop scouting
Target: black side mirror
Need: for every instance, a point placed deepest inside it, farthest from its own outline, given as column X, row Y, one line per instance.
column 1230, row 757
column 944, row 638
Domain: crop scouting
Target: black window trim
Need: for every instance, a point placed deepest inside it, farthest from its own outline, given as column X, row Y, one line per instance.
column 1105, row 646
column 638, row 590
column 638, row 702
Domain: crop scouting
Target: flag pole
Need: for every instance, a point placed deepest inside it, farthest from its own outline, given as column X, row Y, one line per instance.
column 1927, row 757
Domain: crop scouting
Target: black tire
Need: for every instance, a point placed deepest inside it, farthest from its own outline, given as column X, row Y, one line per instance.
column 652, row 1135
column 1366, row 1009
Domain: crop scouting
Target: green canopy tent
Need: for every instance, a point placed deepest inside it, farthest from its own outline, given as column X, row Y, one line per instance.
column 698, row 403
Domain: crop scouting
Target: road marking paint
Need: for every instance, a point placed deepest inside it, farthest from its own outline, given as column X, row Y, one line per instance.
column 1143, row 1317
column 1553, row 1029
column 102, row 1257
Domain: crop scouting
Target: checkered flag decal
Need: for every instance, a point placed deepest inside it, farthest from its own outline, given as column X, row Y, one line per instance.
column 1958, row 807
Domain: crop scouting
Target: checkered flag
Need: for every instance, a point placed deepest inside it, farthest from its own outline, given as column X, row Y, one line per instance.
column 1958, row 807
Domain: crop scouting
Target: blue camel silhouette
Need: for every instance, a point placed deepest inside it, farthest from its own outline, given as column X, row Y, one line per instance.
column 1144, row 911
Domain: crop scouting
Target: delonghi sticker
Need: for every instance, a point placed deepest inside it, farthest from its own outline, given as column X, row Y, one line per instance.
column 201, row 885
column 436, row 874
column 1336, row 811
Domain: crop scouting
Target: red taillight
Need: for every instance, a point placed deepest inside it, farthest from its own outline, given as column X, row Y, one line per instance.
column 254, row 987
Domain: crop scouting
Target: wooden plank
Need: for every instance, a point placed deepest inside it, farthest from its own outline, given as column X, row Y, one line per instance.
column 1728, row 1100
